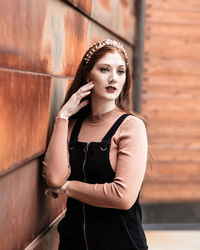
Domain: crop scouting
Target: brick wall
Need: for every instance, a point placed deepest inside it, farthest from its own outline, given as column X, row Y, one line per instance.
column 170, row 102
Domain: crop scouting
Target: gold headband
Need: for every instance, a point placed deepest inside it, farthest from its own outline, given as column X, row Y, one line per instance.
column 100, row 44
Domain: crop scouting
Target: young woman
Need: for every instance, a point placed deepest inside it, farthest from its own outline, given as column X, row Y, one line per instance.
column 97, row 156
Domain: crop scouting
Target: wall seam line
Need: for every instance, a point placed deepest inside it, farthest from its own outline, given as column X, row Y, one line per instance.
column 34, row 73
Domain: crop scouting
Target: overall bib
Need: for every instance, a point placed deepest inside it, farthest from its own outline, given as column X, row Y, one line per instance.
column 87, row 227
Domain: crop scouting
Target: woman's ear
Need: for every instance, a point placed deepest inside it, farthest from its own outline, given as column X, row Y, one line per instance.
column 88, row 79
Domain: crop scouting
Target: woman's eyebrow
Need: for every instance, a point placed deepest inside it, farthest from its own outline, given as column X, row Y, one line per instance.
column 105, row 64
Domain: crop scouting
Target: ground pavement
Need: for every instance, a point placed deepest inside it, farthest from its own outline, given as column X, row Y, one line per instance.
column 173, row 239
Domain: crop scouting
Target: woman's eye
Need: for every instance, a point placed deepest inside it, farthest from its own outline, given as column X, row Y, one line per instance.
column 121, row 72
column 104, row 69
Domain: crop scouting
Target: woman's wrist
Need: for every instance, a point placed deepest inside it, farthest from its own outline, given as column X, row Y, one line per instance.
column 65, row 187
column 61, row 115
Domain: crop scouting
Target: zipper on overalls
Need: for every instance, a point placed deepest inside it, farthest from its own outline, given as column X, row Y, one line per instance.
column 84, row 176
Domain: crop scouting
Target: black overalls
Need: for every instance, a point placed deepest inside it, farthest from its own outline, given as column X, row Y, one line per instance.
column 86, row 227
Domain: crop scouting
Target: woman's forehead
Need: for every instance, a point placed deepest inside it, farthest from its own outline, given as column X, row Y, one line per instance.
column 112, row 58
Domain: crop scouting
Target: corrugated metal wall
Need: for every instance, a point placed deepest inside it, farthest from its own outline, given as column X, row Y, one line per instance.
column 171, row 103
column 40, row 47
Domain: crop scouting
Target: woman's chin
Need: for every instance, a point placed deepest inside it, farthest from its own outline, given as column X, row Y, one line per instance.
column 105, row 97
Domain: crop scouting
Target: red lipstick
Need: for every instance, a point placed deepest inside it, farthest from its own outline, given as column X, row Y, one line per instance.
column 111, row 89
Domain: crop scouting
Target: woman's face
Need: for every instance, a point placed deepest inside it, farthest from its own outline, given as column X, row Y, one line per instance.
column 108, row 76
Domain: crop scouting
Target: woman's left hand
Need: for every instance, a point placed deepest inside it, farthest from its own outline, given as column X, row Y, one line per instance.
column 56, row 192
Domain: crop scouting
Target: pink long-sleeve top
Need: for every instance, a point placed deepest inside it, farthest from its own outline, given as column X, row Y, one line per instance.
column 128, row 157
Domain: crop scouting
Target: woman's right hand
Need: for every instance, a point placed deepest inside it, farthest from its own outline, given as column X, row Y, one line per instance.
column 56, row 192
column 74, row 104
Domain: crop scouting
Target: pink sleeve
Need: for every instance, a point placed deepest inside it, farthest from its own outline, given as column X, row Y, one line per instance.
column 56, row 164
column 129, row 174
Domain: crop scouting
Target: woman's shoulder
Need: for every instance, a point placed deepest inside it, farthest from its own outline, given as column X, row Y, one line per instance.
column 133, row 120
column 131, row 126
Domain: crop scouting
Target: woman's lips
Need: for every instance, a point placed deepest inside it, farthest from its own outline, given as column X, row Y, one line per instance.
column 111, row 89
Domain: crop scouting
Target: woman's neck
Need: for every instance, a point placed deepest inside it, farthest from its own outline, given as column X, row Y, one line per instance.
column 103, row 116
column 101, row 106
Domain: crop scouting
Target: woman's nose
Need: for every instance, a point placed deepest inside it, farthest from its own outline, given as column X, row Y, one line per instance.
column 113, row 77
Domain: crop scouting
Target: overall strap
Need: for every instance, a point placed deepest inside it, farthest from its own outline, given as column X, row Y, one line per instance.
column 113, row 129
column 76, row 129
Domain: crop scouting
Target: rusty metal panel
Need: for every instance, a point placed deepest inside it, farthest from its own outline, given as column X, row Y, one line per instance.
column 25, row 211
column 126, row 20
column 58, row 90
column 21, row 34
column 103, row 11
column 118, row 16
column 98, row 33
column 24, row 105
column 83, row 5
column 48, row 36
column 65, row 33
column 76, row 40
